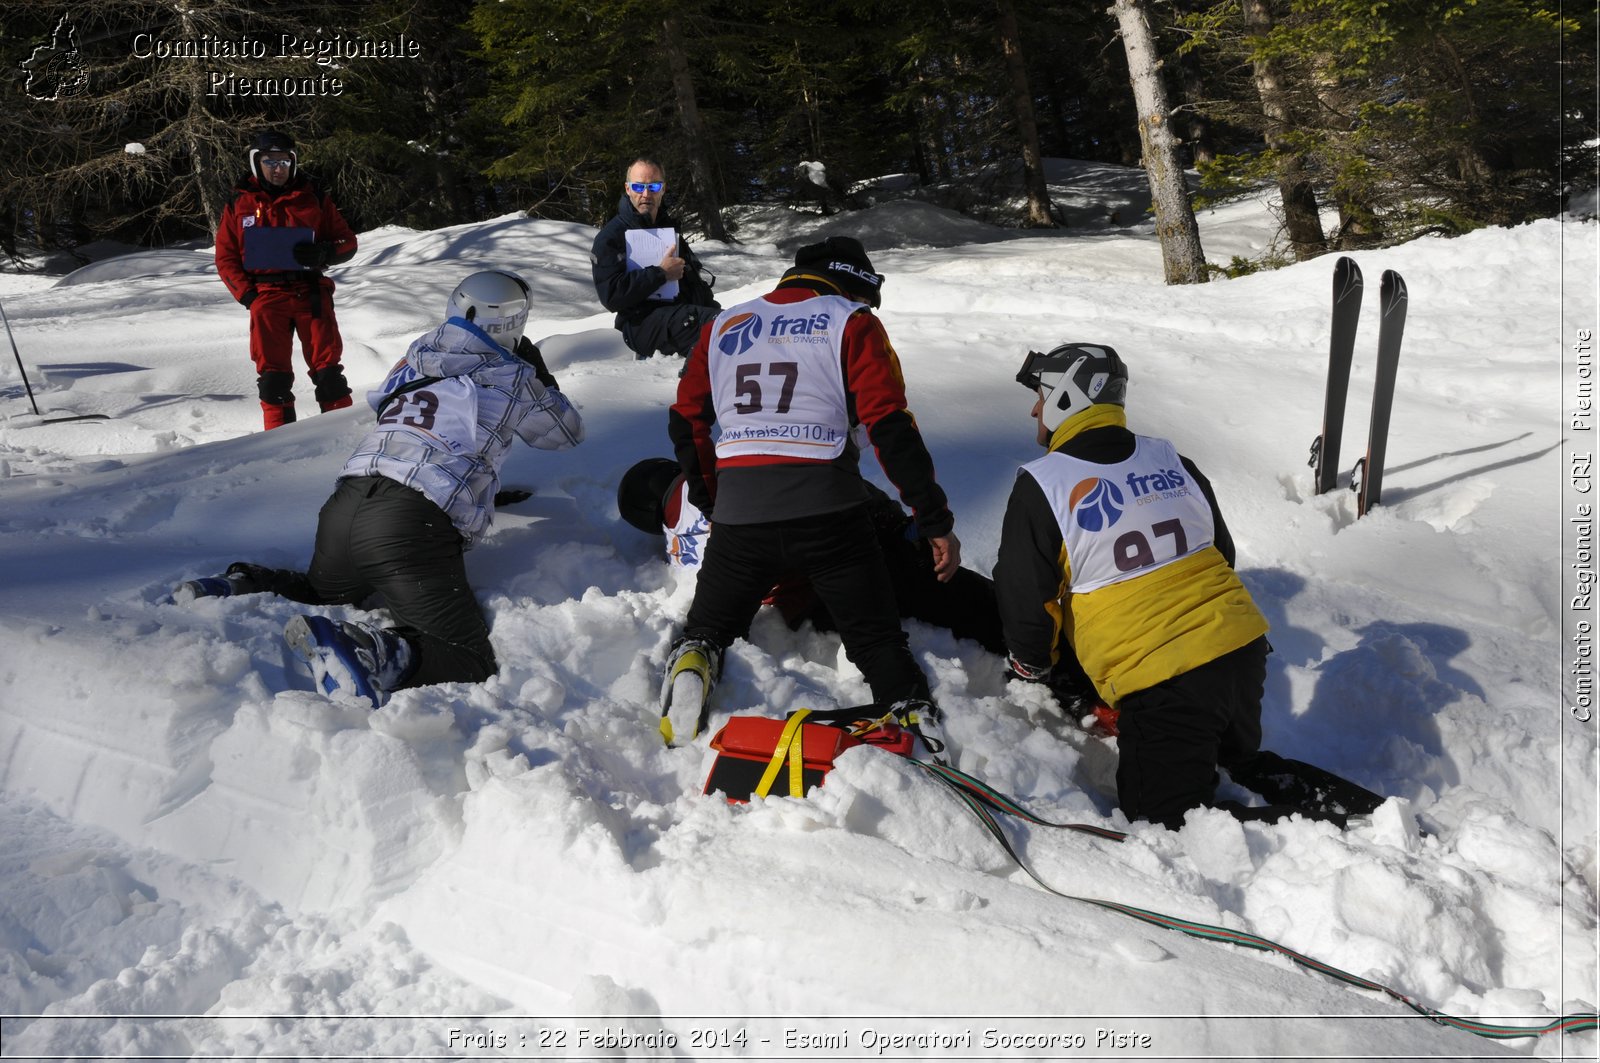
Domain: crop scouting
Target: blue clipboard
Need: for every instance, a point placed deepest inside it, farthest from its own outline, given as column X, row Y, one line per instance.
column 272, row 246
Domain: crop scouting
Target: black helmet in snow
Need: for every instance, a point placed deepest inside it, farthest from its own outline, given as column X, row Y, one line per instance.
column 641, row 494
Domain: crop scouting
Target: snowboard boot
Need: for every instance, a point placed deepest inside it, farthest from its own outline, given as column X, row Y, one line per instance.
column 240, row 578
column 923, row 719
column 351, row 658
column 693, row 667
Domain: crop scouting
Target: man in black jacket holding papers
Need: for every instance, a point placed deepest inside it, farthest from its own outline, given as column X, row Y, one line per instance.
column 645, row 272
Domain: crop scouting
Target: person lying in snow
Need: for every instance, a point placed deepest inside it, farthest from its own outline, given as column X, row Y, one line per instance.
column 653, row 497
column 412, row 498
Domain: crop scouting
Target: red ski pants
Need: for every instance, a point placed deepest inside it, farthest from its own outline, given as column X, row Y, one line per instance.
column 277, row 315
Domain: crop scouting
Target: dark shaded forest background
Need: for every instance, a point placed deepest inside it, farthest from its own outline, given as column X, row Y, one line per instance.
column 1404, row 117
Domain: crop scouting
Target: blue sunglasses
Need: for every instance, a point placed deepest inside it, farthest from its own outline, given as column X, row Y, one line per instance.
column 638, row 187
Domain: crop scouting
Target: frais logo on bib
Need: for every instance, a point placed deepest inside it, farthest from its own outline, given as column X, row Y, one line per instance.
column 1096, row 504
column 1163, row 482
column 738, row 334
column 812, row 325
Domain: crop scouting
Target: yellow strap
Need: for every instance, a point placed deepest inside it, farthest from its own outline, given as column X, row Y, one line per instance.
column 787, row 747
column 797, row 754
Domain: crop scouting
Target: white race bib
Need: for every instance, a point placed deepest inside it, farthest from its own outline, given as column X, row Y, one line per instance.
column 444, row 412
column 776, row 378
column 1121, row 521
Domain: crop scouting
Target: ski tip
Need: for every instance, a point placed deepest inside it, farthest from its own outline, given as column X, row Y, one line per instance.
column 1346, row 282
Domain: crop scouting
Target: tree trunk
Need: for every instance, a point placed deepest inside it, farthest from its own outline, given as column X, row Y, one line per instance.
column 1181, row 256
column 208, row 186
column 1358, row 225
column 694, row 131
column 1301, row 220
column 931, row 126
column 1039, row 212
column 810, row 102
column 1192, row 91
column 1477, row 169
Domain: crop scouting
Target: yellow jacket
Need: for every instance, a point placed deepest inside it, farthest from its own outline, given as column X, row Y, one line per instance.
column 1176, row 604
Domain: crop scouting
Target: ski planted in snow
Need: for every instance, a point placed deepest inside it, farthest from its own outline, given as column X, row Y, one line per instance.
column 1367, row 481
column 1341, row 351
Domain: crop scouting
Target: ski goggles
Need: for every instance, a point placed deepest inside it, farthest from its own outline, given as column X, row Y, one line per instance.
column 641, row 187
column 1036, row 366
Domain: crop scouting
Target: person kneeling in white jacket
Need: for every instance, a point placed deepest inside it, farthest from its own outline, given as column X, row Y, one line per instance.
column 413, row 497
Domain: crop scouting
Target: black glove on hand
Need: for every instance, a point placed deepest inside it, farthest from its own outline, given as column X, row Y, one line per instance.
column 312, row 256
column 511, row 496
column 248, row 297
column 528, row 351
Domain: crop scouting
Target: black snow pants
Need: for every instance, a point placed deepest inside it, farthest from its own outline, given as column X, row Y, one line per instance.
column 376, row 536
column 839, row 555
column 1172, row 736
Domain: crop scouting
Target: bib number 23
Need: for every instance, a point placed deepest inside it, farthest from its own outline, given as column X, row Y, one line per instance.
column 415, row 409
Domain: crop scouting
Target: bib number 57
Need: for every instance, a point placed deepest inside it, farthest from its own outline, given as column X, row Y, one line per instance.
column 747, row 385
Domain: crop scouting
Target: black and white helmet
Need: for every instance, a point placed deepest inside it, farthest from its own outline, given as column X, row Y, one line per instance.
column 495, row 301
column 273, row 140
column 1073, row 377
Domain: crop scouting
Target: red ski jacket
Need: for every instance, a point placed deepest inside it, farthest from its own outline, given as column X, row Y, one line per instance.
column 877, row 398
column 299, row 203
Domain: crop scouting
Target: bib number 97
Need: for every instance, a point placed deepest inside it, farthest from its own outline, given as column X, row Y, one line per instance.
column 1133, row 550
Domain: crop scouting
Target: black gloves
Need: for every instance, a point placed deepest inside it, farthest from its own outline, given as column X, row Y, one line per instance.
column 313, row 255
column 511, row 496
column 248, row 297
column 528, row 351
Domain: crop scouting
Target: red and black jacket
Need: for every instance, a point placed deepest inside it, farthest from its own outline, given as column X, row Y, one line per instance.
column 299, row 203
column 876, row 394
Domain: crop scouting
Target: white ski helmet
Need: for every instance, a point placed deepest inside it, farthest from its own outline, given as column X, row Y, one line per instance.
column 1073, row 377
column 494, row 300
column 276, row 141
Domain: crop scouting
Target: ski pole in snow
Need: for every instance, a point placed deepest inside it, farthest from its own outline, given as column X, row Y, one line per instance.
column 27, row 386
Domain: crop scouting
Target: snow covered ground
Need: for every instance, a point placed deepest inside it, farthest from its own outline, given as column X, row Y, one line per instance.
column 199, row 856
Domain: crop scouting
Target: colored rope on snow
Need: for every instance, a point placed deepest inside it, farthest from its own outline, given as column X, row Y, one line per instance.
column 975, row 790
column 983, row 801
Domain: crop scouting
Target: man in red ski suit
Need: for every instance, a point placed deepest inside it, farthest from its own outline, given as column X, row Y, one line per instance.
column 284, row 300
